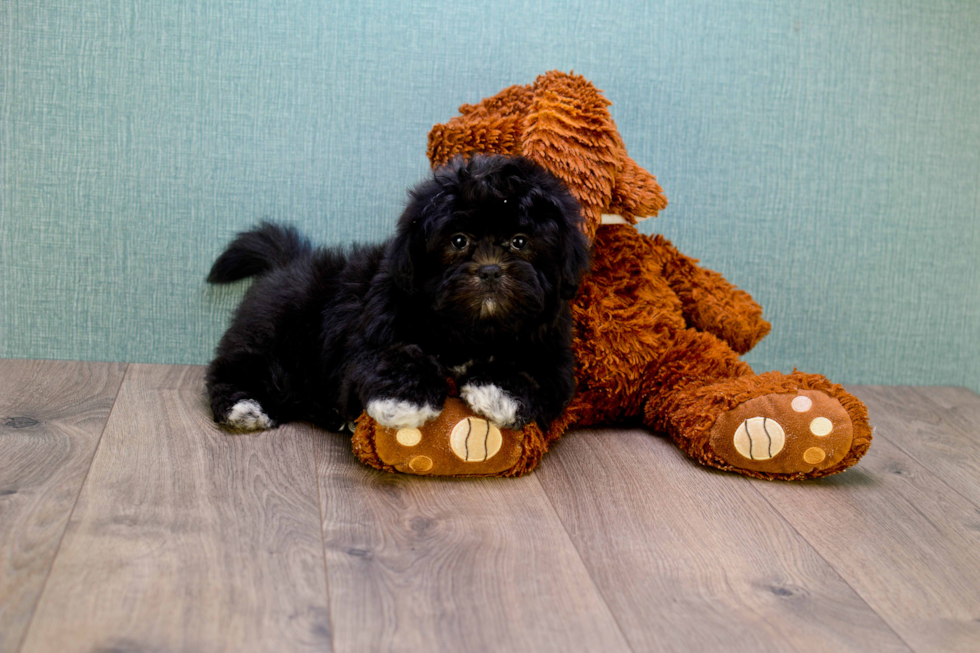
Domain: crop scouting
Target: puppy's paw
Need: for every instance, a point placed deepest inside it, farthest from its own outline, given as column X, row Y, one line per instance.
column 247, row 415
column 398, row 414
column 493, row 403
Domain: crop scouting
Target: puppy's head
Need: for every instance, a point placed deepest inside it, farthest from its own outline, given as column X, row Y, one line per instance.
column 490, row 242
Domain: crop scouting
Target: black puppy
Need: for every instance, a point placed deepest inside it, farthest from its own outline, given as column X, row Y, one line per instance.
column 474, row 286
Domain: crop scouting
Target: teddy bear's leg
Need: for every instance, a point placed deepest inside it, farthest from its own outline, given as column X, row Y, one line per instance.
column 772, row 425
column 456, row 443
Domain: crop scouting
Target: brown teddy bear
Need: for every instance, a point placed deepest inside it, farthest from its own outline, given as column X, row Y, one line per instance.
column 657, row 339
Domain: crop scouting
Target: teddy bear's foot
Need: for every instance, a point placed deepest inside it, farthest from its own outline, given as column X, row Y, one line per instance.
column 456, row 443
column 804, row 433
column 774, row 426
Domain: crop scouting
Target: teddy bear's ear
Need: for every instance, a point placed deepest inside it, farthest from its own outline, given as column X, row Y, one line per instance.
column 569, row 131
column 636, row 193
column 494, row 126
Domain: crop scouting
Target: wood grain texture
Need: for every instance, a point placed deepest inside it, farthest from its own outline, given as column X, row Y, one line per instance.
column 693, row 559
column 938, row 426
column 186, row 538
column 176, row 536
column 906, row 542
column 52, row 414
column 429, row 564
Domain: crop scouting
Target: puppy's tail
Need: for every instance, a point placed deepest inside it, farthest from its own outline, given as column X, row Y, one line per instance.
column 265, row 248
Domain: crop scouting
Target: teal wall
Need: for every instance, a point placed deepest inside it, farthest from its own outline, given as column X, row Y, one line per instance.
column 825, row 156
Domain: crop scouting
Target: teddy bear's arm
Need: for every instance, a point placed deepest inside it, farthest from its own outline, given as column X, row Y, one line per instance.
column 710, row 302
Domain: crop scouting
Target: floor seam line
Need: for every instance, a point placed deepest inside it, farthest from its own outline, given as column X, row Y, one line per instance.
column 588, row 572
column 830, row 566
column 939, row 414
column 61, row 540
column 323, row 545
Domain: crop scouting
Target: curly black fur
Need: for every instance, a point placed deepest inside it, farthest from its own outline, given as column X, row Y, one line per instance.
column 473, row 286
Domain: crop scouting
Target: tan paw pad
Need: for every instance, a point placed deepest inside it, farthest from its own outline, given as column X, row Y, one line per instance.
column 821, row 426
column 814, row 455
column 408, row 437
column 420, row 463
column 801, row 403
column 475, row 440
column 759, row 438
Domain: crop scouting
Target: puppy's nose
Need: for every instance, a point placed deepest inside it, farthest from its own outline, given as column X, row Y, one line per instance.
column 490, row 272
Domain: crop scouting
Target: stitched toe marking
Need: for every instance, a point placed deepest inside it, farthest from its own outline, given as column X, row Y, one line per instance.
column 814, row 455
column 821, row 426
column 420, row 464
column 802, row 403
column 759, row 438
column 408, row 437
column 475, row 440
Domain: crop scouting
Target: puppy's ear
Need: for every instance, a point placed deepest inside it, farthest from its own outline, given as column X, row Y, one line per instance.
column 398, row 257
column 407, row 250
column 572, row 246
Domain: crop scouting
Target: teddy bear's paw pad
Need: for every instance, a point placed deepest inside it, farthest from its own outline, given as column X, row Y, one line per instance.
column 784, row 433
column 759, row 438
column 456, row 443
column 474, row 439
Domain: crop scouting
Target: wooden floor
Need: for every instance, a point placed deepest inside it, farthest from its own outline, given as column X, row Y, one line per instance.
column 128, row 522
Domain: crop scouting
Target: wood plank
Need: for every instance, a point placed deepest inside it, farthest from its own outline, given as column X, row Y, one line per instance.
column 694, row 559
column 441, row 564
column 960, row 405
column 186, row 538
column 941, row 430
column 896, row 532
column 52, row 414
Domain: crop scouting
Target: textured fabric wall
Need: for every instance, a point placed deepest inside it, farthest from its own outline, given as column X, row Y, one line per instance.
column 825, row 156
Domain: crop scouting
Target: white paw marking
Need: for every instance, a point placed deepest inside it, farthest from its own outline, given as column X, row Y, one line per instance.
column 801, row 404
column 397, row 414
column 491, row 402
column 759, row 438
column 821, row 426
column 247, row 415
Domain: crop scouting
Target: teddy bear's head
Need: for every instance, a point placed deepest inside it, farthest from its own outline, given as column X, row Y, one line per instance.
column 562, row 122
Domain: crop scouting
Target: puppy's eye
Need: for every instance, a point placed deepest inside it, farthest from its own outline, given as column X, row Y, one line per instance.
column 459, row 241
column 519, row 241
